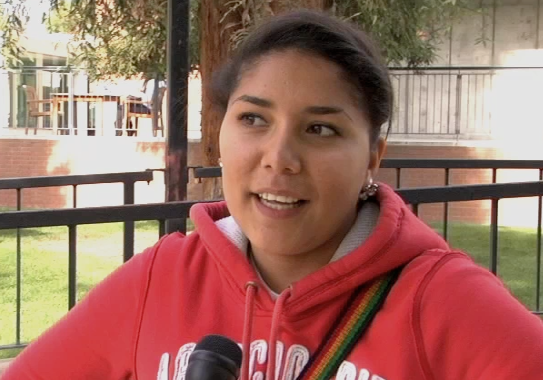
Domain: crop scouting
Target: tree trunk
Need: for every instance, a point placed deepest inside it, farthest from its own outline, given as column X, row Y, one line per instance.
column 154, row 104
column 214, row 50
column 279, row 6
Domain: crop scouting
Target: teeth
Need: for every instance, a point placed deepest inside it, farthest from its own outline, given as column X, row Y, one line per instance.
column 278, row 206
column 278, row 198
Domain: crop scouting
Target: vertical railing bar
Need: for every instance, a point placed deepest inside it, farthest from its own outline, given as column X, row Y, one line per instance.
column 427, row 102
column 128, row 236
column 494, row 229
column 415, row 208
column 446, row 208
column 18, row 275
column 484, row 102
column 490, row 121
column 398, row 177
column 434, row 104
column 476, row 97
column 72, row 265
column 458, row 104
column 468, row 103
column 412, row 123
column 406, row 104
column 449, row 115
column 441, row 105
column 161, row 228
column 399, row 97
column 420, row 103
column 72, row 260
column 71, row 104
column 538, row 259
column 494, row 237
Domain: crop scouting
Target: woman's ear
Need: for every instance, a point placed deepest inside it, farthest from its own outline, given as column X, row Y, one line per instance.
column 376, row 155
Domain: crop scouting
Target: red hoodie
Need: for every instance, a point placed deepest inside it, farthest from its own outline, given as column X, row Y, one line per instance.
column 445, row 318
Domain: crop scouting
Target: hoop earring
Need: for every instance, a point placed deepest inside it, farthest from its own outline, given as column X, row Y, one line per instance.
column 369, row 190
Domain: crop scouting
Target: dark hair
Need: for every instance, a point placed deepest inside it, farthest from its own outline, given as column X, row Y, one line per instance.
column 327, row 37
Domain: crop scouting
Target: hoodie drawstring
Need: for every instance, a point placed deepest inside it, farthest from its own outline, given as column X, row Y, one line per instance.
column 248, row 328
column 272, row 342
column 252, row 287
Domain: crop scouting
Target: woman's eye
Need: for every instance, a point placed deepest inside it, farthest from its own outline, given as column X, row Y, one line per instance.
column 322, row 130
column 251, row 119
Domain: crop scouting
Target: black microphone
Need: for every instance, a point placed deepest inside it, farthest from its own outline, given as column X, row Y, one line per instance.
column 215, row 358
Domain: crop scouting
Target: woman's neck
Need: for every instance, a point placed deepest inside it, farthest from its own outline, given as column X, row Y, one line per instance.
column 280, row 270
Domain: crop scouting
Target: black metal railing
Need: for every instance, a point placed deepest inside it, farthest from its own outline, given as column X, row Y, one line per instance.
column 463, row 101
column 450, row 164
column 417, row 163
column 450, row 193
column 128, row 179
column 174, row 210
column 82, row 216
column 438, row 163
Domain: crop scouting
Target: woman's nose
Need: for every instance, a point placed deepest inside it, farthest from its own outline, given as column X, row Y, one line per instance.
column 282, row 154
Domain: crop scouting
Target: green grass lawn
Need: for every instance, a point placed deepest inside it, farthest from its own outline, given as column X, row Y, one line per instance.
column 517, row 255
column 99, row 249
column 45, row 271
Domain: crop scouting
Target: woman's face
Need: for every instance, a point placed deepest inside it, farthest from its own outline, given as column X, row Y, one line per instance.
column 295, row 149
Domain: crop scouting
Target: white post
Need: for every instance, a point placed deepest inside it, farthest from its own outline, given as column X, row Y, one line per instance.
column 71, row 103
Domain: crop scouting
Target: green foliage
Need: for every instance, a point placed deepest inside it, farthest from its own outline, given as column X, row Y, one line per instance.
column 57, row 21
column 13, row 16
column 128, row 37
column 119, row 38
column 408, row 31
column 125, row 37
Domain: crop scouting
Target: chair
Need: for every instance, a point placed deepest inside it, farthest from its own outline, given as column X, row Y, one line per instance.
column 136, row 108
column 33, row 107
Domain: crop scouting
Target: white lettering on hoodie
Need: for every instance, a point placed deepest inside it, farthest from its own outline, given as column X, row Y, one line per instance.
column 296, row 358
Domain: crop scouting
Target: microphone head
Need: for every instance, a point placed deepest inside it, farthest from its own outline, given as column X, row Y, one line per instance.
column 222, row 346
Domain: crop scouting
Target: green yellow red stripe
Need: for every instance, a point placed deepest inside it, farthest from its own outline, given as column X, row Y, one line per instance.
column 353, row 323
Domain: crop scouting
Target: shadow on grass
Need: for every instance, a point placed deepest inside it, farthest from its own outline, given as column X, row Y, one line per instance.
column 55, row 231
column 10, row 353
column 25, row 232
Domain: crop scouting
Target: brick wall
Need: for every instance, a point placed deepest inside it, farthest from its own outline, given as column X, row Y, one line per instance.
column 23, row 157
column 520, row 212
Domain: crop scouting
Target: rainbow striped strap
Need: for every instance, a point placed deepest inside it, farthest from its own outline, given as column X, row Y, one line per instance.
column 348, row 328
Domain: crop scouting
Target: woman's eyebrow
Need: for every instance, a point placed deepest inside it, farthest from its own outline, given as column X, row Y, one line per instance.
column 315, row 110
column 326, row 110
column 255, row 100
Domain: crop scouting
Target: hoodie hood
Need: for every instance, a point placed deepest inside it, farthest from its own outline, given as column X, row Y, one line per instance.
column 398, row 238
column 363, row 226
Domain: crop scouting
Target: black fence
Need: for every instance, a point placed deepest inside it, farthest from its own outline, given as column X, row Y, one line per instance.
column 128, row 179
column 162, row 212
column 13, row 220
column 447, row 165
column 461, row 102
column 454, row 193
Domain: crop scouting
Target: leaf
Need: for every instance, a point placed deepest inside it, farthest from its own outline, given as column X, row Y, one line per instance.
column 123, row 37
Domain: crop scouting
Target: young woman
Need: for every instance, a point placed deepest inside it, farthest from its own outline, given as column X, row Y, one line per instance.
column 316, row 270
